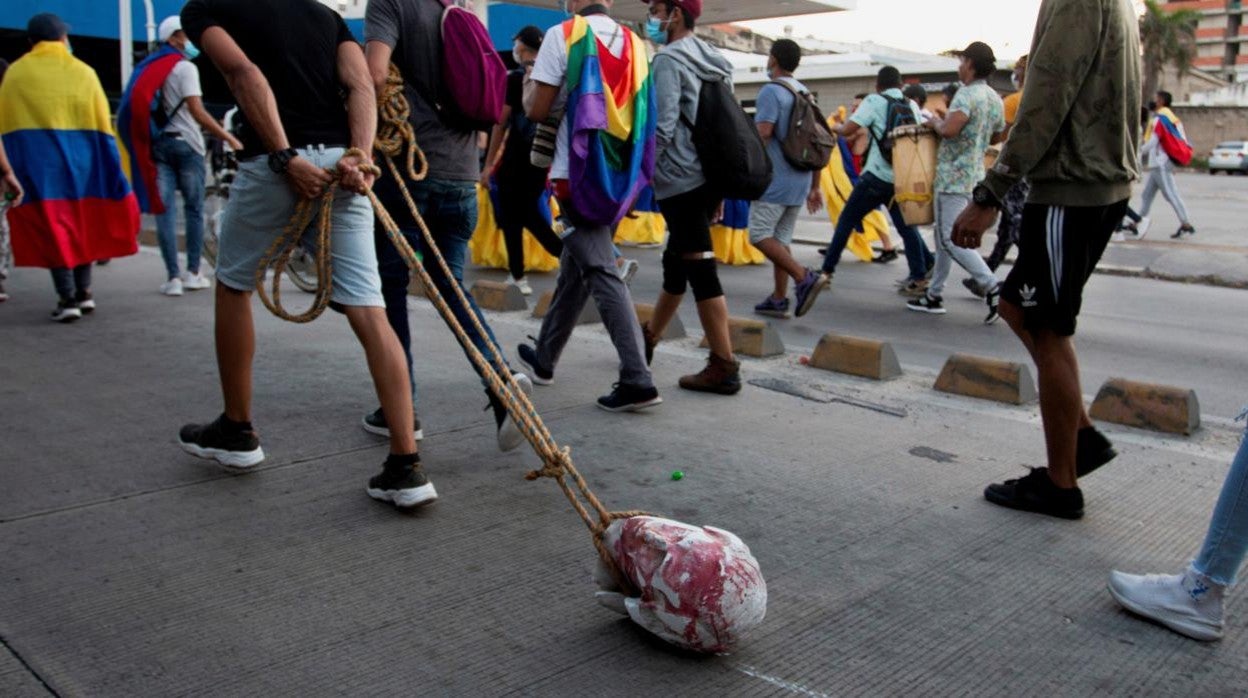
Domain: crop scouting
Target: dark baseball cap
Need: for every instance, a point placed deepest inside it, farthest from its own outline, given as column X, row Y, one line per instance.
column 530, row 36
column 978, row 53
column 692, row 8
column 46, row 26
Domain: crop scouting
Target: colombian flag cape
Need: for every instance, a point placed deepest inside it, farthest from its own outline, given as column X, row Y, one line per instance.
column 1168, row 128
column 837, row 182
column 611, row 120
column 134, row 125
column 645, row 225
column 55, row 125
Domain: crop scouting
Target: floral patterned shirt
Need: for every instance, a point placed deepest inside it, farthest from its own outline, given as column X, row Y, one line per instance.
column 960, row 160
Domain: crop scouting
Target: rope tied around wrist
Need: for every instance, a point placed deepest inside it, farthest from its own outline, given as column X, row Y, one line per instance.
column 396, row 138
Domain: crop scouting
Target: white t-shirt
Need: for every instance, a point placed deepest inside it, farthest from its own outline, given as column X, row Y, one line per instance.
column 551, row 68
column 183, row 82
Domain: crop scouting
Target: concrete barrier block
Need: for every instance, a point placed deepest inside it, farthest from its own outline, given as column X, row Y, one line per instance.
column 856, row 356
column 498, row 296
column 589, row 315
column 675, row 328
column 416, row 288
column 987, row 379
column 1147, row 406
column 753, row 338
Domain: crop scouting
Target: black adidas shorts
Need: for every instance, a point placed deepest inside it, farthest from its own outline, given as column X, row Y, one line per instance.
column 1058, row 248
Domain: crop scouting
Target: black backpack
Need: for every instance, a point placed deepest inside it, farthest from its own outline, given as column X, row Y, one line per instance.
column 733, row 155
column 898, row 114
column 809, row 143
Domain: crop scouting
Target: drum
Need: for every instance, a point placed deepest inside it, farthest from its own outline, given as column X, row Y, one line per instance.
column 914, row 171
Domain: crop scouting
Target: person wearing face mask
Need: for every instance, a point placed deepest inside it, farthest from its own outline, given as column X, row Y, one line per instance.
column 520, row 184
column 179, row 154
column 686, row 198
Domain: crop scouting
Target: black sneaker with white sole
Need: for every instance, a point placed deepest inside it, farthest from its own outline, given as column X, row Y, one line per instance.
column 927, row 304
column 630, row 398
column 375, row 423
column 1037, row 493
column 85, row 302
column 528, row 358
column 229, row 443
column 509, row 435
column 66, row 311
column 994, row 307
column 402, row 484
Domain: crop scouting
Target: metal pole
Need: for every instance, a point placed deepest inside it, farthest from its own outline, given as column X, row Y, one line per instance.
column 151, row 24
column 126, row 36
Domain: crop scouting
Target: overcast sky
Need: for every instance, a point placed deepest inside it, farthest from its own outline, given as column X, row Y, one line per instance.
column 929, row 26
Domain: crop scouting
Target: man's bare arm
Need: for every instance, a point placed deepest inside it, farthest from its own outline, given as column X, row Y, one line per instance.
column 378, row 54
column 356, row 77
column 249, row 86
column 195, row 105
column 538, row 100
column 255, row 97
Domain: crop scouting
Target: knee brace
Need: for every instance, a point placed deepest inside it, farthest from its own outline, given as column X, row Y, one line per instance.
column 703, row 278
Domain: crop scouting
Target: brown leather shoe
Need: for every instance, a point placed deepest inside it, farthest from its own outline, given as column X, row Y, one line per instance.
column 720, row 376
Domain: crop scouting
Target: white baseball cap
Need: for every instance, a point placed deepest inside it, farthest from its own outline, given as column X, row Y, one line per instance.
column 168, row 27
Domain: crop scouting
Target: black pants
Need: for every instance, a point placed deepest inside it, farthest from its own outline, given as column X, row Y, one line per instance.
column 689, row 260
column 519, row 196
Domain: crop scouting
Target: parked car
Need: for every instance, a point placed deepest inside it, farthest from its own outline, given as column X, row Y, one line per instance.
column 1229, row 157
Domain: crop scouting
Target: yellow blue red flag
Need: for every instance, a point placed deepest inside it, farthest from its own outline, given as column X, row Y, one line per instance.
column 54, row 121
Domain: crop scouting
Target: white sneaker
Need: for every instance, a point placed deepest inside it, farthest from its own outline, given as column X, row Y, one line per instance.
column 521, row 283
column 196, row 282
column 1119, row 237
column 1142, row 227
column 172, row 287
column 628, row 270
column 1189, row 603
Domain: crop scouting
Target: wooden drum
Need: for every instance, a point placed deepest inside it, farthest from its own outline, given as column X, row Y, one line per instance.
column 914, row 170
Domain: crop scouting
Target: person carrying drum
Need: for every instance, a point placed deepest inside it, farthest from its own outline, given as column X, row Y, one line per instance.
column 976, row 119
column 875, row 188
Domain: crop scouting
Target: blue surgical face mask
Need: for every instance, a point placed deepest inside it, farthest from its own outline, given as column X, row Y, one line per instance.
column 655, row 30
column 563, row 7
column 191, row 51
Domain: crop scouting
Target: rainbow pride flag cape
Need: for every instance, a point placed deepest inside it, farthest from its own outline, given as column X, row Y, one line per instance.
column 134, row 125
column 611, row 121
column 55, row 125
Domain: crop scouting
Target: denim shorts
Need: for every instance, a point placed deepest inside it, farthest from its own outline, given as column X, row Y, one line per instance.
column 261, row 206
column 773, row 221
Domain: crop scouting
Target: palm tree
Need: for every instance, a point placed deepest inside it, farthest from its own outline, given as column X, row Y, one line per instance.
column 1168, row 38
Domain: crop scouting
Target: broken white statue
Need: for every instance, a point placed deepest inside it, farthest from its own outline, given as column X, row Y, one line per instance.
column 700, row 587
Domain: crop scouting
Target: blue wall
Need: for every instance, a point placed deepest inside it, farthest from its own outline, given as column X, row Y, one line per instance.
column 506, row 20
column 98, row 18
column 86, row 17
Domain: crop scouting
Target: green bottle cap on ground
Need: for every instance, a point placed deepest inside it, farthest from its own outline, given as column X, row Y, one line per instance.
column 678, row 474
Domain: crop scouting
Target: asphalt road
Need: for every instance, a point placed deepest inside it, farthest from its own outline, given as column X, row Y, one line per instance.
column 1142, row 329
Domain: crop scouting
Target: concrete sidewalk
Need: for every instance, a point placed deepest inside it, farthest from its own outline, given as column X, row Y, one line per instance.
column 133, row 569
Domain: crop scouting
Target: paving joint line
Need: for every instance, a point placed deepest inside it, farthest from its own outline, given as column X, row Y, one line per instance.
column 4, row 641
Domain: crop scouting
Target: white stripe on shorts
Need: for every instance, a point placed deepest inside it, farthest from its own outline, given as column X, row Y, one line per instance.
column 1056, row 222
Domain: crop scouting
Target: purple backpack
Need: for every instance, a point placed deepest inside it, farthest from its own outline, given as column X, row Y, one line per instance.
column 473, row 76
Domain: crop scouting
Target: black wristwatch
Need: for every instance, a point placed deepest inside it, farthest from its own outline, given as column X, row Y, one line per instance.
column 982, row 196
column 280, row 160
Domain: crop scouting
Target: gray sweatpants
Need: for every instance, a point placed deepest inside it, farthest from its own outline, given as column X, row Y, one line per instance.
column 587, row 268
column 1162, row 179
